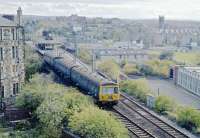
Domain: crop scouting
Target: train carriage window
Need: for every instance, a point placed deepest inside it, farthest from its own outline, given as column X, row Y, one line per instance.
column 93, row 89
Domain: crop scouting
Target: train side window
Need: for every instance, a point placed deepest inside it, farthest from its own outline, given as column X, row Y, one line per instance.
column 93, row 88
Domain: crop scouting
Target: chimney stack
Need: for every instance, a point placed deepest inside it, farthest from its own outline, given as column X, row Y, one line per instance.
column 19, row 16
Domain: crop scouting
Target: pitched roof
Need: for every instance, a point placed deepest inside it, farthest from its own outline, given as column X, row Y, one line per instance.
column 6, row 22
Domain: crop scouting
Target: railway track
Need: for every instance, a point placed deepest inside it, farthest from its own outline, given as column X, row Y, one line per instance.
column 142, row 123
column 133, row 127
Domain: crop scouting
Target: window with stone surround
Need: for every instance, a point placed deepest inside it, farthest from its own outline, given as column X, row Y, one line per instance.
column 13, row 33
column 6, row 34
column 1, row 53
column 0, row 33
column 2, row 91
column 14, row 52
column 14, row 68
column 15, row 88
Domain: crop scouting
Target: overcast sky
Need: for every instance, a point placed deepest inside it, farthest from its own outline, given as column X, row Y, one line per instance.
column 134, row 9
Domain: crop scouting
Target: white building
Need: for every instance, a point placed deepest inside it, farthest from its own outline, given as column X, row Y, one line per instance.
column 189, row 78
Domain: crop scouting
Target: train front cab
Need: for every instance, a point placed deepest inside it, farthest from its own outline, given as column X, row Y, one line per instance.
column 109, row 93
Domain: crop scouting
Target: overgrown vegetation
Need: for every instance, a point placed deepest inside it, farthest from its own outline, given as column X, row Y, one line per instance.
column 164, row 104
column 32, row 63
column 55, row 107
column 186, row 117
column 189, row 118
column 105, row 125
column 157, row 68
column 129, row 68
column 191, row 58
column 166, row 55
column 110, row 68
column 138, row 88
column 85, row 56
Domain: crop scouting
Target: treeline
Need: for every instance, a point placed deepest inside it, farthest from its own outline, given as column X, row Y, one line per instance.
column 54, row 108
column 33, row 63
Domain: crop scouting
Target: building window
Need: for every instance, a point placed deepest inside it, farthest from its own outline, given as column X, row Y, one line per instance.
column 1, row 53
column 13, row 34
column 0, row 33
column 15, row 88
column 14, row 68
column 2, row 92
column 6, row 34
column 14, row 52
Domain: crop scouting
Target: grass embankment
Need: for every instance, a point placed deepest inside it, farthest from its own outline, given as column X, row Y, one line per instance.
column 191, row 58
column 186, row 117
column 55, row 107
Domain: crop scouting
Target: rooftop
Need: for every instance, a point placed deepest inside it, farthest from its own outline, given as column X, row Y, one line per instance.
column 193, row 69
column 6, row 22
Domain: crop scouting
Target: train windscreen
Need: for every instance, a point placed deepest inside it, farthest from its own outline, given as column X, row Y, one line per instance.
column 109, row 90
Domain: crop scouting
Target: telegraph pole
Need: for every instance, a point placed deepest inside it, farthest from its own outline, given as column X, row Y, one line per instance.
column 1, row 87
column 74, row 32
column 75, row 46
column 93, row 60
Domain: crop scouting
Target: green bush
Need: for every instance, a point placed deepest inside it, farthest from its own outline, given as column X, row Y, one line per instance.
column 32, row 63
column 95, row 123
column 130, row 69
column 85, row 56
column 156, row 68
column 164, row 104
column 166, row 55
column 53, row 105
column 188, row 118
column 51, row 114
column 75, row 101
column 138, row 88
column 32, row 93
column 110, row 68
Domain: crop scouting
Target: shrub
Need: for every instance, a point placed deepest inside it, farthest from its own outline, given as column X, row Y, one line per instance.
column 110, row 68
column 164, row 104
column 166, row 55
column 32, row 93
column 85, row 56
column 156, row 68
column 54, row 104
column 95, row 123
column 130, row 69
column 138, row 88
column 188, row 118
column 32, row 63
column 74, row 102
column 51, row 114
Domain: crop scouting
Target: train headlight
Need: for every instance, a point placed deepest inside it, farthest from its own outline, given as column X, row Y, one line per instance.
column 115, row 96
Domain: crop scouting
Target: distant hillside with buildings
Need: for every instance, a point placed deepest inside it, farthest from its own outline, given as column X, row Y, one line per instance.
column 159, row 32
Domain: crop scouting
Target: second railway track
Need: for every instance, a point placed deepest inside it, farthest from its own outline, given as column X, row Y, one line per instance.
column 142, row 123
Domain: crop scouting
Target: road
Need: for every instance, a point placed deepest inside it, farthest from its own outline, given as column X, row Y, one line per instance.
column 180, row 95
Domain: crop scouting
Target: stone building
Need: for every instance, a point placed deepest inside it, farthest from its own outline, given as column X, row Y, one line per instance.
column 11, row 54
